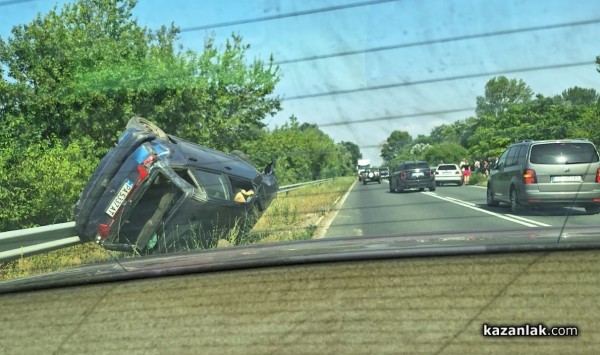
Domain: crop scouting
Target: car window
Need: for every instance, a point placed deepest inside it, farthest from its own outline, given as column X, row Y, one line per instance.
column 214, row 184
column 447, row 167
column 563, row 153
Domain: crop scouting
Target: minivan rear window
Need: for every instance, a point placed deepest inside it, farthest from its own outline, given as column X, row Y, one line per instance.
column 563, row 153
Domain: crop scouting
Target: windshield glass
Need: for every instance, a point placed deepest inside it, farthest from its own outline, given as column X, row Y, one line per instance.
column 565, row 153
column 135, row 129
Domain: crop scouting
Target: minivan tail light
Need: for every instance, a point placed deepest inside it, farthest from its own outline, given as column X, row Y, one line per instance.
column 529, row 176
column 598, row 176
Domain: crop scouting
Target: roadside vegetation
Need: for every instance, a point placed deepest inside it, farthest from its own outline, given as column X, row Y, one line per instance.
column 508, row 111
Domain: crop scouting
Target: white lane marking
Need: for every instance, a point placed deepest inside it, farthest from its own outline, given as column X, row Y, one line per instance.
column 528, row 220
column 511, row 218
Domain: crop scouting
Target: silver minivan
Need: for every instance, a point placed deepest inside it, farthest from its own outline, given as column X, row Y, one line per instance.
column 547, row 173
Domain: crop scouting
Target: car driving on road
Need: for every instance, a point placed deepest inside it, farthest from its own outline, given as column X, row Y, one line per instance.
column 384, row 172
column 448, row 173
column 370, row 175
column 155, row 192
column 547, row 173
column 412, row 175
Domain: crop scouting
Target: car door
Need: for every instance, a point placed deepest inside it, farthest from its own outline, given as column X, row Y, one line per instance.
column 499, row 178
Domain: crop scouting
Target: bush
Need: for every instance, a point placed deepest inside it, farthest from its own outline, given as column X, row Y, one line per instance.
column 44, row 182
column 478, row 179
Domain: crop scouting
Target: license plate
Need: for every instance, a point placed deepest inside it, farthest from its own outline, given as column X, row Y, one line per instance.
column 120, row 198
column 570, row 178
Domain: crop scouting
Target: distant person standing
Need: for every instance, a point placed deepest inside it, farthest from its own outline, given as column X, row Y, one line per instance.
column 464, row 166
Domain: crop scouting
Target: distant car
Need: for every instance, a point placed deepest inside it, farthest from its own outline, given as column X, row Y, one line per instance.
column 412, row 175
column 156, row 193
column 448, row 173
column 547, row 173
column 370, row 175
column 384, row 172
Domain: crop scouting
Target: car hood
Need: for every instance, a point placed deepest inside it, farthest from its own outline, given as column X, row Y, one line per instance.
column 316, row 250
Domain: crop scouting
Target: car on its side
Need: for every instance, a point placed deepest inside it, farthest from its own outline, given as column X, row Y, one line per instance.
column 448, row 173
column 156, row 193
column 384, row 171
column 564, row 173
column 412, row 175
column 370, row 175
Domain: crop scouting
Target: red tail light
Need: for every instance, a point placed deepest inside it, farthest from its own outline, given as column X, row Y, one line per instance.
column 529, row 176
column 103, row 230
column 143, row 172
column 598, row 176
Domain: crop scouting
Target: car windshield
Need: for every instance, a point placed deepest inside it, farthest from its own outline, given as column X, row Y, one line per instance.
column 156, row 138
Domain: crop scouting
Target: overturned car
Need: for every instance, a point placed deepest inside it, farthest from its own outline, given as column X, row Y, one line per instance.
column 157, row 193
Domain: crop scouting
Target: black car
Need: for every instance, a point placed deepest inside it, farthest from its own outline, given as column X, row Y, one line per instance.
column 156, row 193
column 412, row 175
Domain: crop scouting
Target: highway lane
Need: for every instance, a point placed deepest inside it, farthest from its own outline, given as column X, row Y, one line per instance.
column 372, row 210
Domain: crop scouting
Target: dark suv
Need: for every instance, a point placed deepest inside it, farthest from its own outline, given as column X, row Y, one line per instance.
column 546, row 173
column 412, row 175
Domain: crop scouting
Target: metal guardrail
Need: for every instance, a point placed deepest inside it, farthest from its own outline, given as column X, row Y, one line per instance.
column 295, row 186
column 26, row 242
column 31, row 241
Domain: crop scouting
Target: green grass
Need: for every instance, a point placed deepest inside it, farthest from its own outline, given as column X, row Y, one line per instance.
column 294, row 215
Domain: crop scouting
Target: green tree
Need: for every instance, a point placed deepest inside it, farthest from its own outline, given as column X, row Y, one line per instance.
column 85, row 69
column 580, row 96
column 396, row 145
column 354, row 151
column 500, row 92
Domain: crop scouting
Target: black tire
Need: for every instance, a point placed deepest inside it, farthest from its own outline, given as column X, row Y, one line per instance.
column 460, row 183
column 491, row 201
column 592, row 209
column 392, row 189
column 144, row 124
column 379, row 181
column 432, row 187
column 364, row 182
column 515, row 205
column 421, row 189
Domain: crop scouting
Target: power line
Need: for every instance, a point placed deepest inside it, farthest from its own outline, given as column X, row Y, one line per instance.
column 280, row 16
column 438, row 41
column 13, row 2
column 436, row 80
column 385, row 118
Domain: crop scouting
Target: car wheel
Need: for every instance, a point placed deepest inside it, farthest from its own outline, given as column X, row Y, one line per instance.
column 490, row 197
column 379, row 181
column 144, row 124
column 515, row 205
column 421, row 189
column 432, row 187
column 459, row 183
column 592, row 209
column 364, row 182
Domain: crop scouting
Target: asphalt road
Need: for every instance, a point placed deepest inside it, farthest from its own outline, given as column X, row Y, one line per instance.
column 372, row 210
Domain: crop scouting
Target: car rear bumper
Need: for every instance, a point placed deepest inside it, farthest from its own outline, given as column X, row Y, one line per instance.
column 416, row 184
column 576, row 199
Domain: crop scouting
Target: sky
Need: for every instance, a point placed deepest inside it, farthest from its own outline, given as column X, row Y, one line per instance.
column 361, row 69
